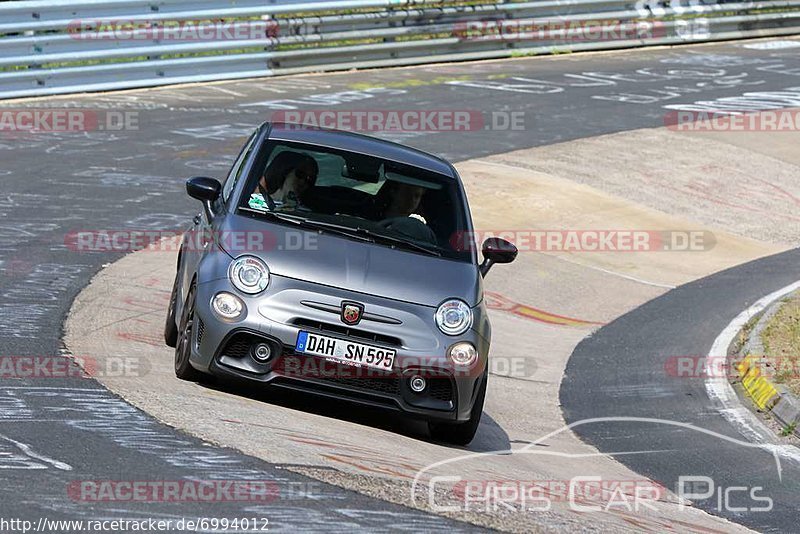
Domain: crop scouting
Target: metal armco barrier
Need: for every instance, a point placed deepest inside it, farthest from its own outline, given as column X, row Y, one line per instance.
column 60, row 46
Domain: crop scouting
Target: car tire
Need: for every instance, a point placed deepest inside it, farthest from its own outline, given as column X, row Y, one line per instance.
column 183, row 350
column 462, row 433
column 171, row 326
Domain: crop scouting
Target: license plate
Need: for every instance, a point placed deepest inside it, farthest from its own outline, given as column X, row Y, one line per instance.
column 348, row 352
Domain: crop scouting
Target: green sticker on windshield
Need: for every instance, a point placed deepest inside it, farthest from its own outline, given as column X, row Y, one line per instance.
column 257, row 202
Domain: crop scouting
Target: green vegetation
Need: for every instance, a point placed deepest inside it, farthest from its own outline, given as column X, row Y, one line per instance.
column 789, row 429
column 781, row 340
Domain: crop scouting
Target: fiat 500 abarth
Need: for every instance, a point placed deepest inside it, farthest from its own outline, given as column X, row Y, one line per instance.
column 340, row 265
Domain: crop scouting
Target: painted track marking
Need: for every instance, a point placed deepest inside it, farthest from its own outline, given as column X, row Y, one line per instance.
column 496, row 301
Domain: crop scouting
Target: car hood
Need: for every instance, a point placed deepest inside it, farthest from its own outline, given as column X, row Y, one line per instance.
column 363, row 267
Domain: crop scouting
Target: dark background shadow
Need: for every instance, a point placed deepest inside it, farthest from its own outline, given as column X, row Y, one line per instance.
column 490, row 436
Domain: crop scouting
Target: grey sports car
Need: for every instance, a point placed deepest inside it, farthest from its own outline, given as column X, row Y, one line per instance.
column 339, row 265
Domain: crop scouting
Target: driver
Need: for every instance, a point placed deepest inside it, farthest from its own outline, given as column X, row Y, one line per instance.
column 287, row 179
column 405, row 200
column 398, row 199
column 400, row 202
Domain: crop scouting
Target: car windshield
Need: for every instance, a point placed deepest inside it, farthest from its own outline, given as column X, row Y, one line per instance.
column 359, row 197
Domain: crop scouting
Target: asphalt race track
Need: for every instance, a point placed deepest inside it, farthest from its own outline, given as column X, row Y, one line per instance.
column 623, row 365
column 54, row 431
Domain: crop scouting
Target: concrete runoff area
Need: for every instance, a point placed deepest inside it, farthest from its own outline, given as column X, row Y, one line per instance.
column 598, row 183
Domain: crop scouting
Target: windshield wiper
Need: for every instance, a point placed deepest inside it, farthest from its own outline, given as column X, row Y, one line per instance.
column 398, row 241
column 315, row 225
column 358, row 232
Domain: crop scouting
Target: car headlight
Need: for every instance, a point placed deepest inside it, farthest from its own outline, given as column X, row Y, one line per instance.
column 454, row 317
column 227, row 306
column 249, row 275
column 463, row 354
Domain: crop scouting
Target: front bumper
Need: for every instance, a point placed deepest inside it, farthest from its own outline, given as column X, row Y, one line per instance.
column 289, row 307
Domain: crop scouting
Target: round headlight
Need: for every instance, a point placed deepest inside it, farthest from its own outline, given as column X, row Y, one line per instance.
column 249, row 275
column 454, row 317
column 463, row 354
column 227, row 306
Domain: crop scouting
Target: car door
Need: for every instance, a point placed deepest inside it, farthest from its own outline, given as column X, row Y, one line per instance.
column 197, row 240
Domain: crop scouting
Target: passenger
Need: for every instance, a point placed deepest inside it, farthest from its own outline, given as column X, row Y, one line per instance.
column 287, row 179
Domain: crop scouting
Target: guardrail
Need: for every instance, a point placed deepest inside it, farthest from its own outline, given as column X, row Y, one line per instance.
column 59, row 46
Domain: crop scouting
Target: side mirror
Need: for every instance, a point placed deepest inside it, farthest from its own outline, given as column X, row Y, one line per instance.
column 206, row 190
column 497, row 250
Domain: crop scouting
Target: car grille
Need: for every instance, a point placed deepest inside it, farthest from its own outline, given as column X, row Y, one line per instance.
column 325, row 388
column 389, row 385
column 239, row 345
column 346, row 331
column 441, row 389
column 440, row 385
column 201, row 330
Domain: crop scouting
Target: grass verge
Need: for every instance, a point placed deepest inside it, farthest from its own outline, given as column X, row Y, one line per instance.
column 781, row 340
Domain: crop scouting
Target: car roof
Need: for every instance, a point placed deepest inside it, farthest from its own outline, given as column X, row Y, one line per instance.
column 361, row 144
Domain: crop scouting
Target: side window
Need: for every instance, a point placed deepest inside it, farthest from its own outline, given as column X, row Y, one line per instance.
column 236, row 170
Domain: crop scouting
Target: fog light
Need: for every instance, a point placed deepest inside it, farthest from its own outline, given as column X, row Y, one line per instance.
column 227, row 306
column 463, row 354
column 262, row 353
column 417, row 384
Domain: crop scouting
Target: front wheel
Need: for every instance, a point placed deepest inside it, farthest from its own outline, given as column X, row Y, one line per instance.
column 462, row 433
column 171, row 327
column 184, row 369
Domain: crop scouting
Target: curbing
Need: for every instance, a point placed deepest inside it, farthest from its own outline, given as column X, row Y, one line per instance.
column 767, row 396
column 758, row 387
